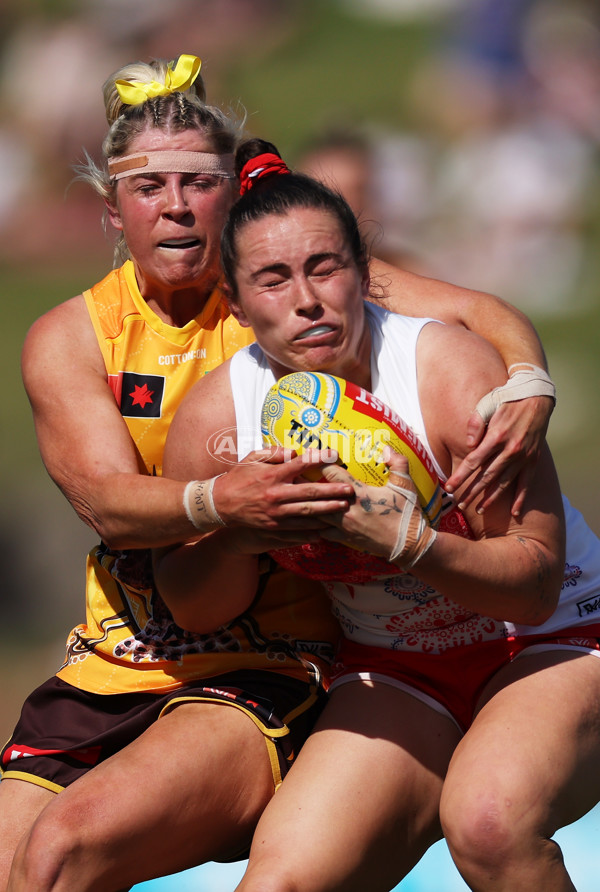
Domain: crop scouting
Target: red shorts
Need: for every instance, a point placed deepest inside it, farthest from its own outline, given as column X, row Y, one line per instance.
column 64, row 731
column 451, row 682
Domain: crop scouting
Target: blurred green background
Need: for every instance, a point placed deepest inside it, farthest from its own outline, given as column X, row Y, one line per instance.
column 481, row 123
column 477, row 124
column 300, row 71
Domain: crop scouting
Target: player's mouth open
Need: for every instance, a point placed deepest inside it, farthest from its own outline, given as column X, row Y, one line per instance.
column 314, row 332
column 180, row 243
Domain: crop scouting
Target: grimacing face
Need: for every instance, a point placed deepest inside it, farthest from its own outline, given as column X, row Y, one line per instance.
column 172, row 222
column 299, row 288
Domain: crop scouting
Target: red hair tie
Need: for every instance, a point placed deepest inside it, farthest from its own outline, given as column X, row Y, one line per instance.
column 264, row 165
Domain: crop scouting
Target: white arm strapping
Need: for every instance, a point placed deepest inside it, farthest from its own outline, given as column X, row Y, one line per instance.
column 199, row 505
column 415, row 536
column 521, row 384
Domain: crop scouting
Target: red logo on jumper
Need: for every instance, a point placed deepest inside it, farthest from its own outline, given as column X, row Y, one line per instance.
column 137, row 395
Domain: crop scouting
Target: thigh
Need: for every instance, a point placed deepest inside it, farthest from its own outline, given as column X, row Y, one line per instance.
column 64, row 731
column 535, row 742
column 191, row 788
column 20, row 804
column 360, row 806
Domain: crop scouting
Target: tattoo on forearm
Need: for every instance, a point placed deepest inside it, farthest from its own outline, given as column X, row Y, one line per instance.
column 369, row 505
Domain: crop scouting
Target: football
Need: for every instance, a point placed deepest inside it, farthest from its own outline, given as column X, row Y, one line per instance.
column 313, row 410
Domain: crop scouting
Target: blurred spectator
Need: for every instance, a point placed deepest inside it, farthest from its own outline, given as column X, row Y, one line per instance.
column 48, row 70
column 491, row 189
column 562, row 51
column 383, row 178
column 514, row 171
column 51, row 65
column 16, row 165
column 404, row 197
column 401, row 10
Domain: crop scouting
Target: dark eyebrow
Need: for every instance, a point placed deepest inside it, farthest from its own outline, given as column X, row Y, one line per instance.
column 311, row 261
column 280, row 268
column 324, row 255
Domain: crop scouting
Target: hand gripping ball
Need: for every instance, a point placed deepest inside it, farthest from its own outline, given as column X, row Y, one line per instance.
column 313, row 410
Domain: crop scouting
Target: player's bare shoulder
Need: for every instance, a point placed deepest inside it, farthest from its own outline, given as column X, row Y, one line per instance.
column 63, row 339
column 65, row 320
column 456, row 367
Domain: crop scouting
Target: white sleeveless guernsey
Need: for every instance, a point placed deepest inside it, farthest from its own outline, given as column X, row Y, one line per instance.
column 400, row 612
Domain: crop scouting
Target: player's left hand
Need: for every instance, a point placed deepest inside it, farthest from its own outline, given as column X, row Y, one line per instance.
column 383, row 520
column 506, row 451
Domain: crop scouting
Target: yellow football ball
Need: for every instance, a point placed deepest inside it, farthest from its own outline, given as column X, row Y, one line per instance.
column 313, row 410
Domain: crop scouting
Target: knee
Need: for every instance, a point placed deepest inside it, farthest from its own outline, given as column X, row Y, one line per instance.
column 271, row 883
column 269, row 871
column 481, row 832
column 43, row 853
column 273, row 878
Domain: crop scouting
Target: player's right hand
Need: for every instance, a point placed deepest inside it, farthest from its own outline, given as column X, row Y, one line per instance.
column 268, row 489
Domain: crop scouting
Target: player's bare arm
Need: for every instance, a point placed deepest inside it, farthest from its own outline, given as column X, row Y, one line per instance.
column 510, row 444
column 500, row 323
column 508, row 558
column 510, row 555
column 208, row 582
column 84, row 441
column 257, row 492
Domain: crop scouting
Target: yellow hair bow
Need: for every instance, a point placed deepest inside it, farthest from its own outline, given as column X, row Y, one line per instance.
column 179, row 78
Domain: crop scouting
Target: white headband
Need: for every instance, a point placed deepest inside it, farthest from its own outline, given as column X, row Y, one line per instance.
column 171, row 162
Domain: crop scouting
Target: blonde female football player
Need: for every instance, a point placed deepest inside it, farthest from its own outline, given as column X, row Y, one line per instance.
column 466, row 695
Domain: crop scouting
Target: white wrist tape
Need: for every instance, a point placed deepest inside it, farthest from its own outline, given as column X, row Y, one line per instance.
column 415, row 536
column 522, row 384
column 199, row 505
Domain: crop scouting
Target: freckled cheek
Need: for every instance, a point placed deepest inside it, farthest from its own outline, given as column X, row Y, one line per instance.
column 209, row 230
column 214, row 208
column 137, row 225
